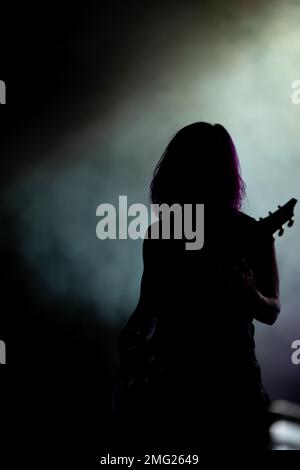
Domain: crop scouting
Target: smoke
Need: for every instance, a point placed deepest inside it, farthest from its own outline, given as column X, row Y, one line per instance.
column 232, row 63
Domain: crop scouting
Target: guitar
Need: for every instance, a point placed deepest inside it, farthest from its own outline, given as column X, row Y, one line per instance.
column 276, row 221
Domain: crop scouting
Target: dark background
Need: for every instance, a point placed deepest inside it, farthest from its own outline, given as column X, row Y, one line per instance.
column 94, row 93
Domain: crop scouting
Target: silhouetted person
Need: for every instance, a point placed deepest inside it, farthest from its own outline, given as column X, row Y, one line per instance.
column 189, row 376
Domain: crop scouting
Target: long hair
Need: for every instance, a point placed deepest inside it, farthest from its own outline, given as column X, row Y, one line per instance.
column 199, row 165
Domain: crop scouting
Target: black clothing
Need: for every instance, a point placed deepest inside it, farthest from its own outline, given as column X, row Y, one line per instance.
column 189, row 375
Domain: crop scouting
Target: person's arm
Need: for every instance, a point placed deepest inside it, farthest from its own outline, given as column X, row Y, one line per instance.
column 267, row 309
column 267, row 306
column 263, row 286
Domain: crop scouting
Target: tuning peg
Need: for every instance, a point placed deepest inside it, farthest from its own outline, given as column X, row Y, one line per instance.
column 291, row 222
column 260, row 218
column 281, row 231
column 279, row 207
column 270, row 212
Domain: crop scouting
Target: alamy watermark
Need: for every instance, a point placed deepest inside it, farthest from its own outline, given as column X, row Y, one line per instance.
column 2, row 352
column 177, row 221
column 296, row 354
column 2, row 92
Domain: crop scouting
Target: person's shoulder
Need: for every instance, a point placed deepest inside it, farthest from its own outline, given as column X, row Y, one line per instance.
column 157, row 241
column 153, row 231
column 245, row 218
column 152, row 235
column 245, row 222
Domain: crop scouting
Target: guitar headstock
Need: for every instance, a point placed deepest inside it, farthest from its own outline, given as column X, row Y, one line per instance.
column 275, row 221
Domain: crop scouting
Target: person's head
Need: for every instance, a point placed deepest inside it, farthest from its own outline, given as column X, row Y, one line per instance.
column 199, row 165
